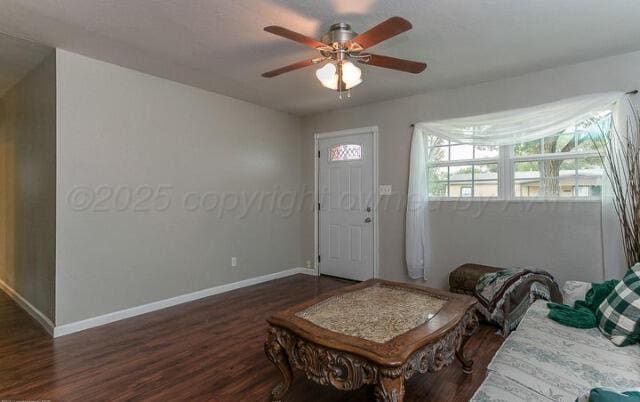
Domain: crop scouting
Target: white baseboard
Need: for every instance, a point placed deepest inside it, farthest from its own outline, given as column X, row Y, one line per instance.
column 28, row 307
column 158, row 305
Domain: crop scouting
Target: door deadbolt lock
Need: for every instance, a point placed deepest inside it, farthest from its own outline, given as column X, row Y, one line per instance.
column 368, row 209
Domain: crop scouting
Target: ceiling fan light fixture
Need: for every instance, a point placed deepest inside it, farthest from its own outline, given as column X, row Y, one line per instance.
column 353, row 84
column 351, row 75
column 328, row 76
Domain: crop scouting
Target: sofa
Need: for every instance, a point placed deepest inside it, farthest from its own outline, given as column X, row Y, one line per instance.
column 546, row 361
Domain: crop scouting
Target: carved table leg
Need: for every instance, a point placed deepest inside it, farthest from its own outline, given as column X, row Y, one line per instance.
column 278, row 356
column 467, row 363
column 470, row 327
column 390, row 386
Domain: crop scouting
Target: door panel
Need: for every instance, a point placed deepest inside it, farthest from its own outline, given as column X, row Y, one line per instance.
column 345, row 186
column 355, row 242
column 334, row 241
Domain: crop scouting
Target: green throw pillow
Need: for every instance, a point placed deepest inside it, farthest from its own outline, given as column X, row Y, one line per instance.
column 619, row 314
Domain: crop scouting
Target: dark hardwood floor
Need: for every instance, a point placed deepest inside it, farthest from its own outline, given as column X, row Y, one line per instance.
column 210, row 350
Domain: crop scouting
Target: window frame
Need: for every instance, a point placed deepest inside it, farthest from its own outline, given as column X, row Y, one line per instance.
column 468, row 162
column 506, row 161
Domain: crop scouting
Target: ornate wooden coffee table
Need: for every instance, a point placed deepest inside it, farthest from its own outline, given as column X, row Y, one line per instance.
column 376, row 332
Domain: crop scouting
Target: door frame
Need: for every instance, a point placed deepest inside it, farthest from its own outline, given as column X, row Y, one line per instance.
column 373, row 130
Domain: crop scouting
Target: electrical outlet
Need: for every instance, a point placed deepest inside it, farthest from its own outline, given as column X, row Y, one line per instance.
column 234, row 261
column 385, row 189
column 308, row 264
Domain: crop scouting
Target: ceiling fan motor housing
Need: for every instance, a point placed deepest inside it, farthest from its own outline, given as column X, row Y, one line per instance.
column 339, row 36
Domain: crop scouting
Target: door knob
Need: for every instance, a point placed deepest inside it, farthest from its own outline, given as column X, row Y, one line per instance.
column 367, row 220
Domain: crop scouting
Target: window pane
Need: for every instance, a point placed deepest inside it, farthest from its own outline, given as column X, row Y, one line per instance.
column 527, row 181
column 487, row 171
column 563, row 177
column 559, row 167
column 486, row 151
column 438, row 188
column 593, row 132
column 527, row 188
column 559, row 177
column 527, row 148
column 583, row 191
column 590, row 173
column 485, row 188
column 559, row 143
column 458, row 173
column 460, row 189
column 437, row 141
column 526, row 170
column 590, row 166
column 567, row 167
column 589, row 189
column 345, row 152
column 586, row 143
column 459, row 152
column 438, row 173
column 439, row 154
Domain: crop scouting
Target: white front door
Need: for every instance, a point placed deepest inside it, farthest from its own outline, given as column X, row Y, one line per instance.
column 346, row 202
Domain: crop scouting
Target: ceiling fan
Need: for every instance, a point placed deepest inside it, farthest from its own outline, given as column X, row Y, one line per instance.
column 341, row 45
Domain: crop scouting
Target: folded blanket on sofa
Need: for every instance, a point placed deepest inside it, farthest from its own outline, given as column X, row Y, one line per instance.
column 505, row 296
column 582, row 314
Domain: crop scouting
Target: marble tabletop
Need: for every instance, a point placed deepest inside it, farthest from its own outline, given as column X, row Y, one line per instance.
column 377, row 314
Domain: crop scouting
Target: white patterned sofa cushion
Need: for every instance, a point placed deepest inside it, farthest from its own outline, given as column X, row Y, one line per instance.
column 497, row 388
column 556, row 362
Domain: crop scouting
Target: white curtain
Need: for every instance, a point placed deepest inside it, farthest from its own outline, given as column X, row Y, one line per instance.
column 502, row 128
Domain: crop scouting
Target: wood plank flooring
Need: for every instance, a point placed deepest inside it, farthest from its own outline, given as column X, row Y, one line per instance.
column 206, row 350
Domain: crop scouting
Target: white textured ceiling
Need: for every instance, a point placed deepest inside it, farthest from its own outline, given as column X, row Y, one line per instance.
column 219, row 44
column 17, row 58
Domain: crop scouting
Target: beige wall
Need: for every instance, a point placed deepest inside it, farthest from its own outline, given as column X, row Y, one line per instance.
column 566, row 242
column 121, row 129
column 28, row 187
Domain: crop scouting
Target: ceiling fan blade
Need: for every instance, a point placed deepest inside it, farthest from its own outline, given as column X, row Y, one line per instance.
column 290, row 67
column 289, row 34
column 383, row 31
column 408, row 66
